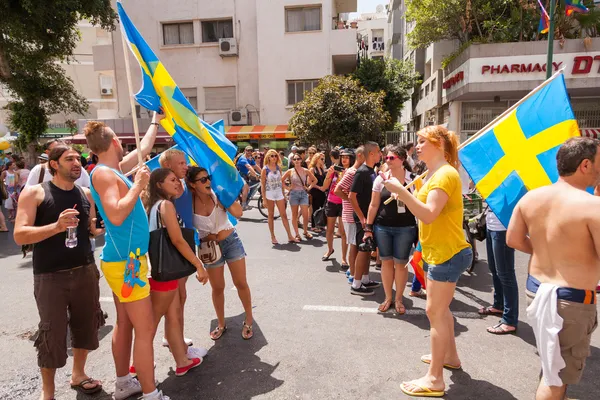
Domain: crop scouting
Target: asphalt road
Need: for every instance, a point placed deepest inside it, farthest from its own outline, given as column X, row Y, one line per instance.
column 313, row 340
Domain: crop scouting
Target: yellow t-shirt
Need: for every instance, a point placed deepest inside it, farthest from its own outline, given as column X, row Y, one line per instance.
column 444, row 237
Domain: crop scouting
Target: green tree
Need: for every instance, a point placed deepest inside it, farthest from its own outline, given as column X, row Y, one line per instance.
column 34, row 36
column 340, row 112
column 394, row 77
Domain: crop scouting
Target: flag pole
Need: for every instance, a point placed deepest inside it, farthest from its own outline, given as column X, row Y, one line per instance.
column 550, row 39
column 488, row 126
column 136, row 130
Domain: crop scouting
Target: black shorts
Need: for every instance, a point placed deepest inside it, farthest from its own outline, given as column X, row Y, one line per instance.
column 360, row 233
column 333, row 210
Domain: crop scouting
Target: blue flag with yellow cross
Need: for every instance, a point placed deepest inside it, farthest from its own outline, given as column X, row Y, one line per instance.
column 518, row 153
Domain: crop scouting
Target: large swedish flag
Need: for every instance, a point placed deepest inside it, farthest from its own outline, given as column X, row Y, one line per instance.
column 205, row 144
column 519, row 152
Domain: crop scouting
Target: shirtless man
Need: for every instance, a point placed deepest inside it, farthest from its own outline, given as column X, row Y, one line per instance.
column 123, row 258
column 560, row 227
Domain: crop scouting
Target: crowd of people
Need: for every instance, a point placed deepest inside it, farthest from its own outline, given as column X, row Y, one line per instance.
column 381, row 203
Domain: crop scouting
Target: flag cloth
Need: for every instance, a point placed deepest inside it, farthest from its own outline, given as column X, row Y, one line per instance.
column 519, row 152
column 416, row 262
column 205, row 144
column 572, row 6
column 544, row 25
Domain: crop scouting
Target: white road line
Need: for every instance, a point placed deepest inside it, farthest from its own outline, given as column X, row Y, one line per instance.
column 106, row 299
column 366, row 310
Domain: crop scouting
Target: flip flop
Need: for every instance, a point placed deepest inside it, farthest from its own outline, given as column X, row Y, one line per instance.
column 308, row 235
column 274, row 242
column 488, row 311
column 421, row 391
column 218, row 332
column 89, row 381
column 383, row 307
column 400, row 309
column 427, row 360
column 326, row 258
column 247, row 332
column 498, row 330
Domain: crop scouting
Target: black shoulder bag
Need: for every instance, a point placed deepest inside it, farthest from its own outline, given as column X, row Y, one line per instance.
column 167, row 263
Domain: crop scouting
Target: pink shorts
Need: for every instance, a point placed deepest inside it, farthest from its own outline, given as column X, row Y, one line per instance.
column 156, row 286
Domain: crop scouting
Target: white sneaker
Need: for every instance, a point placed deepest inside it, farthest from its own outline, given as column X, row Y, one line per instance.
column 128, row 389
column 196, row 352
column 158, row 396
column 187, row 341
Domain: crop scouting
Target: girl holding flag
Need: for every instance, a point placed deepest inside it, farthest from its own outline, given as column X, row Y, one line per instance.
column 438, row 206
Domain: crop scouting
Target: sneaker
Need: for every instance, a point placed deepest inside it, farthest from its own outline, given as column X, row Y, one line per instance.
column 182, row 371
column 186, row 340
column 159, row 396
column 350, row 280
column 372, row 284
column 196, row 352
column 348, row 273
column 362, row 291
column 132, row 387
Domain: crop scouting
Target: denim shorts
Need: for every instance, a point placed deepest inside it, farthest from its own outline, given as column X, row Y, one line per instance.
column 232, row 249
column 452, row 269
column 395, row 242
column 298, row 198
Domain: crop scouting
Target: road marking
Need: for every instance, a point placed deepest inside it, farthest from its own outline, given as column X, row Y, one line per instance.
column 367, row 310
column 106, row 299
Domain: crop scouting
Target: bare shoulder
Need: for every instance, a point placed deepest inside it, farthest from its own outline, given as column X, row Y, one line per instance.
column 103, row 174
column 32, row 193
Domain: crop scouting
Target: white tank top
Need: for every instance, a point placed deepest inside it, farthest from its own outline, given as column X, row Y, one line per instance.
column 216, row 222
column 273, row 183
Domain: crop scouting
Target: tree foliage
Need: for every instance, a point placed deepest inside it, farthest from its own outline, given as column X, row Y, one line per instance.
column 340, row 112
column 34, row 36
column 394, row 77
column 492, row 21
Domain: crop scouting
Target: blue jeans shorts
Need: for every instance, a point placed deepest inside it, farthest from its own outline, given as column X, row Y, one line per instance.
column 232, row 249
column 452, row 269
column 394, row 242
column 298, row 198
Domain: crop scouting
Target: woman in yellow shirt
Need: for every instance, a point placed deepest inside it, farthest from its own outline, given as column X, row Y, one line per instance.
column 438, row 206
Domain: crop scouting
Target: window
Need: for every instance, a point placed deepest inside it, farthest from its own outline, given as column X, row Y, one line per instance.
column 587, row 112
column 421, row 94
column 377, row 35
column 427, row 90
column 212, row 31
column 296, row 90
column 191, row 95
column 303, row 19
column 182, row 33
column 433, row 82
column 220, row 98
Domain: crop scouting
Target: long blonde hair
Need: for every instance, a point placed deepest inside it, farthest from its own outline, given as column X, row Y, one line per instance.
column 268, row 157
column 438, row 136
column 314, row 160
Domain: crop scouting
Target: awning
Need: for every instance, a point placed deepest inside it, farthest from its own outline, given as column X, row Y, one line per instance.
column 591, row 132
column 161, row 138
column 246, row 132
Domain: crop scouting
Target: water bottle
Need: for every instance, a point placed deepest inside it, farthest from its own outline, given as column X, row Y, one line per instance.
column 71, row 240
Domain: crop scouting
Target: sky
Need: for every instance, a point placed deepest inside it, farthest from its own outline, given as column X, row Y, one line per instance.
column 367, row 6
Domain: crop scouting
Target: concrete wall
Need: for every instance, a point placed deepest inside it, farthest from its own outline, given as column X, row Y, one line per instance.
column 369, row 22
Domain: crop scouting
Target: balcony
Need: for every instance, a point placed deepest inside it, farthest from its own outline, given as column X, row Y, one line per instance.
column 346, row 6
column 343, row 49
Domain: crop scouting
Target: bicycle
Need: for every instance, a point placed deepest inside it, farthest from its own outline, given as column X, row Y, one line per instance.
column 255, row 188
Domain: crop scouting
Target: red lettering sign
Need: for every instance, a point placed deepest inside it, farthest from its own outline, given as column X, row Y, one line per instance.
column 453, row 80
column 582, row 65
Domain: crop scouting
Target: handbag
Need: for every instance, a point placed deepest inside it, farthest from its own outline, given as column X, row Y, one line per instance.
column 167, row 263
column 479, row 231
column 319, row 217
column 209, row 252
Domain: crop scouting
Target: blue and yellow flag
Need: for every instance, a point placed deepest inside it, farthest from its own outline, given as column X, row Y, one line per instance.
column 519, row 152
column 205, row 144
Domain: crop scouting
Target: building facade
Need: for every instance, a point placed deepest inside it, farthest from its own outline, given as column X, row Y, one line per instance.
column 373, row 34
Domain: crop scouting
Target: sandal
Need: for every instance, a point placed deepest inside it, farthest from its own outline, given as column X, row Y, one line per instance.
column 326, row 258
column 412, row 389
column 500, row 330
column 488, row 311
column 247, row 331
column 80, row 387
column 427, row 360
column 400, row 309
column 218, row 332
column 308, row 235
column 297, row 239
column 421, row 294
column 274, row 242
column 383, row 307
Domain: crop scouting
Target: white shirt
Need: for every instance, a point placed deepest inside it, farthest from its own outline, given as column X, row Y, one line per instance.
column 464, row 179
column 34, row 177
column 493, row 223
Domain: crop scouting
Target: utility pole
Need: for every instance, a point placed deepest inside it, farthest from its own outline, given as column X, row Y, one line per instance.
column 550, row 40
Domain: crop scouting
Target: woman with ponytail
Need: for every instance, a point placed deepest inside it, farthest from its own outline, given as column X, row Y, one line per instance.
column 438, row 206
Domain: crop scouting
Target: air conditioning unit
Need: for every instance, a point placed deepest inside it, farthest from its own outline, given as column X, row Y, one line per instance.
column 106, row 85
column 228, row 47
column 238, row 117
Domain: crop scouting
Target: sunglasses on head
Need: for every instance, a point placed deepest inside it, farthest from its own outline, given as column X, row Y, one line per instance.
column 204, row 179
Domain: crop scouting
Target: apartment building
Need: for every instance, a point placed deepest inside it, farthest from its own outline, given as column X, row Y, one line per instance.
column 245, row 62
column 373, row 33
column 486, row 79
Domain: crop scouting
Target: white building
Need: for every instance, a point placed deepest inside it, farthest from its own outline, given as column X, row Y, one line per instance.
column 246, row 62
column 373, row 31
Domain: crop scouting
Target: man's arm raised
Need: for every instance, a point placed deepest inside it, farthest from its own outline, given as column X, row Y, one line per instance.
column 118, row 208
column 25, row 231
column 517, row 233
column 147, row 143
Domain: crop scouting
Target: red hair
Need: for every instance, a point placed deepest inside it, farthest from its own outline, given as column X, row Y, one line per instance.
column 438, row 136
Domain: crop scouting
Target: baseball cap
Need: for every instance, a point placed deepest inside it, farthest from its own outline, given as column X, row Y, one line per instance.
column 249, row 148
column 43, row 156
column 294, row 148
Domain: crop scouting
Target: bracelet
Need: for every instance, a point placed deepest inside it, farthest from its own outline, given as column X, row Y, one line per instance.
column 154, row 123
column 369, row 227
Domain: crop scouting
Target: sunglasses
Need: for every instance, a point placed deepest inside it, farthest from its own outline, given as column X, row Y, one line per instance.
column 297, row 159
column 204, row 179
column 391, row 158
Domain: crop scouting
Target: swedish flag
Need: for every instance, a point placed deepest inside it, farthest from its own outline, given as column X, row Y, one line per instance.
column 205, row 144
column 519, row 152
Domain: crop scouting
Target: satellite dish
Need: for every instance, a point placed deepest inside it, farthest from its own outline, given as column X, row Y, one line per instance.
column 379, row 9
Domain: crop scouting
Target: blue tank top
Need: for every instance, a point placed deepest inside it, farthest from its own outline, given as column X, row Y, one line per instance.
column 132, row 236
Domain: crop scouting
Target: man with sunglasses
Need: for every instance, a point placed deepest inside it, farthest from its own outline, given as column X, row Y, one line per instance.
column 246, row 164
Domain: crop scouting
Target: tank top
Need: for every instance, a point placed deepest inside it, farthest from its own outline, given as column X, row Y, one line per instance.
column 153, row 217
column 131, row 236
column 10, row 182
column 216, row 222
column 273, row 183
column 51, row 255
column 298, row 180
